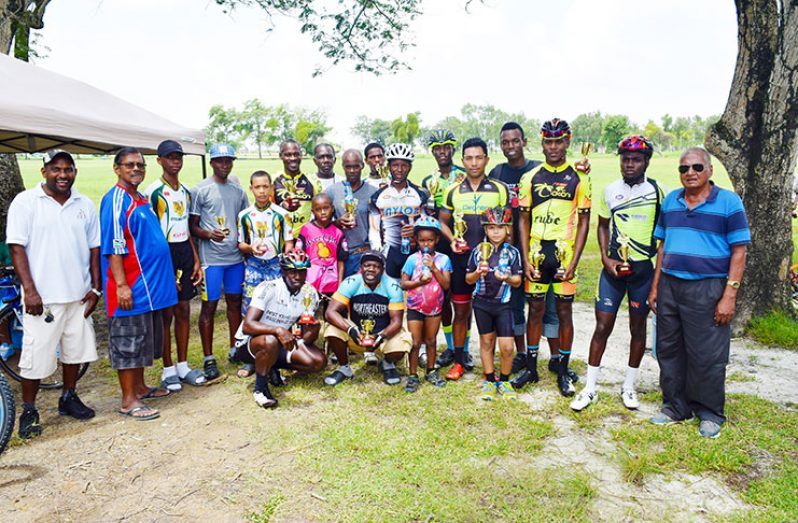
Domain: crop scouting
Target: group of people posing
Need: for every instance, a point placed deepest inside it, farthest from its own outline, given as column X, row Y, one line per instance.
column 322, row 266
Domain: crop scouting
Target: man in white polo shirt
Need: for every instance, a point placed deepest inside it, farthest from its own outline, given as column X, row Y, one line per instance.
column 53, row 235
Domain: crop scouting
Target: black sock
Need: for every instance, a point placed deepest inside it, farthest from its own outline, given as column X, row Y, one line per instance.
column 430, row 370
column 66, row 393
column 28, row 406
column 504, row 377
column 261, row 383
column 564, row 357
column 490, row 376
column 458, row 354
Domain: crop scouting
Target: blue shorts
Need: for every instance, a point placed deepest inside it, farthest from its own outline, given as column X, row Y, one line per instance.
column 611, row 290
column 257, row 270
column 216, row 276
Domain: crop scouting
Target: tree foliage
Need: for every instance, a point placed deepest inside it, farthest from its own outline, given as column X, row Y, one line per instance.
column 484, row 121
column 616, row 127
column 372, row 130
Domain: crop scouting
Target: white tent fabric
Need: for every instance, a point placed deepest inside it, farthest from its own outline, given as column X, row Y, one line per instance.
column 40, row 110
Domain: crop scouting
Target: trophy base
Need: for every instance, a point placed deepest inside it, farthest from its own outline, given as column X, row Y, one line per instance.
column 624, row 270
column 560, row 274
column 306, row 320
column 367, row 342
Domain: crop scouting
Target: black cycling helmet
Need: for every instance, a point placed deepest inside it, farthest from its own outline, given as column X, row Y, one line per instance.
column 441, row 137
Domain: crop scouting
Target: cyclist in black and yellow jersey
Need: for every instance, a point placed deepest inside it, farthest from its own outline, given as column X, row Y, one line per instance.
column 471, row 198
column 554, row 203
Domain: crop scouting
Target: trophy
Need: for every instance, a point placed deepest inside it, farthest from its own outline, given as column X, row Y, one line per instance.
column 178, row 276
column 384, row 172
column 367, row 339
column 288, row 192
column 307, row 300
column 220, row 221
column 586, row 148
column 350, row 203
column 433, row 186
column 562, row 250
column 624, row 268
column 460, row 228
column 484, row 250
column 536, row 257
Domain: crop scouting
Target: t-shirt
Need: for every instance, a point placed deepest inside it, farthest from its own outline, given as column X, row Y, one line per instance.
column 391, row 208
column 326, row 183
column 57, row 240
column 171, row 206
column 218, row 206
column 511, row 177
column 555, row 196
column 280, row 307
column 488, row 289
column 698, row 241
column 306, row 187
column 325, row 247
column 632, row 211
column 472, row 203
column 269, row 227
column 427, row 299
column 365, row 303
column 456, row 175
column 129, row 228
column 358, row 236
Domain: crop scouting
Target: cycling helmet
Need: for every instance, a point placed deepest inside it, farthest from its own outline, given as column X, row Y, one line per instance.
column 400, row 151
column 294, row 259
column 441, row 137
column 638, row 144
column 427, row 223
column 497, row 216
column 555, row 129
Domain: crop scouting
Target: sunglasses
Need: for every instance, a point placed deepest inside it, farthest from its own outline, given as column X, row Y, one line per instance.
column 697, row 167
column 133, row 165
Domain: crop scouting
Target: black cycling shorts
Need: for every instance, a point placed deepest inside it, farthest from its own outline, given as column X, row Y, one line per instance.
column 492, row 317
column 244, row 354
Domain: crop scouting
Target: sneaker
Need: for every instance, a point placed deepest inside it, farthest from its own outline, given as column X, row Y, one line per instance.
column 370, row 358
column 211, row 370
column 664, row 419
column 519, row 362
column 455, row 373
column 264, row 399
column 468, row 361
column 445, row 359
column 390, row 375
column 507, row 391
column 70, row 405
column 583, row 400
column 630, row 400
column 29, row 426
column 709, row 429
column 412, row 383
column 566, row 386
column 488, row 391
column 434, row 378
column 554, row 366
column 524, row 377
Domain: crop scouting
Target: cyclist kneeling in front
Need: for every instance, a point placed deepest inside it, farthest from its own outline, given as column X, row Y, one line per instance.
column 267, row 340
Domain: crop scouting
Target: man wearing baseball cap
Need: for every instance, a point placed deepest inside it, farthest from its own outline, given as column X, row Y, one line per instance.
column 53, row 221
column 215, row 205
column 170, row 200
column 365, row 314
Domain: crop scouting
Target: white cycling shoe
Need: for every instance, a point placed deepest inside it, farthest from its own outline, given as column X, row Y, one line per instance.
column 583, row 400
column 630, row 400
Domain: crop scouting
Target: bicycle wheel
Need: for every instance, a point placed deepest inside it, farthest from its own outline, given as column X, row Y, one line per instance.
column 7, row 413
column 11, row 368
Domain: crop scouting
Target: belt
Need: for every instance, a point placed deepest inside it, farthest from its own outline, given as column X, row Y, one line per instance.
column 360, row 250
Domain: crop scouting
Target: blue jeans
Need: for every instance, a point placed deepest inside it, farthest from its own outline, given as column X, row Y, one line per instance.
column 352, row 264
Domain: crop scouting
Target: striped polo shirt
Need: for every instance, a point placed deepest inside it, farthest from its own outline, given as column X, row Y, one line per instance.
column 698, row 241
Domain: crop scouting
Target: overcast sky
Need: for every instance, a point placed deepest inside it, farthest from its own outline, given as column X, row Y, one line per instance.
column 543, row 57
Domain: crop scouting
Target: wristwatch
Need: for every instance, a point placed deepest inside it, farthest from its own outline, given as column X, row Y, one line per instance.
column 734, row 284
column 97, row 292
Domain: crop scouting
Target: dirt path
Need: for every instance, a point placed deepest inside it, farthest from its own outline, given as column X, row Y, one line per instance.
column 202, row 459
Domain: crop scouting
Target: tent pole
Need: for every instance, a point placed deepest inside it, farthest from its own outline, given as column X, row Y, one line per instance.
column 204, row 172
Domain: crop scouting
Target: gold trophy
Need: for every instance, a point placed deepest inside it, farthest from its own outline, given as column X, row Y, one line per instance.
column 562, row 250
column 586, row 149
column 307, row 300
column 624, row 268
column 460, row 227
column 178, row 277
column 485, row 251
column 367, row 339
column 350, row 206
column 536, row 257
column 433, row 186
column 384, row 172
column 220, row 221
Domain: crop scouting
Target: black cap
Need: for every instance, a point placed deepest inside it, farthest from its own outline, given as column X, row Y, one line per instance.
column 52, row 154
column 372, row 255
column 167, row 147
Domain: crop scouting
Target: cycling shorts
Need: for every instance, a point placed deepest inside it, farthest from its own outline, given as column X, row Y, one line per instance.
column 611, row 291
column 563, row 290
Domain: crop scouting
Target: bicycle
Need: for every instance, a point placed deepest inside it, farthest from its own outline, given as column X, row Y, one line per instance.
column 7, row 413
column 11, row 316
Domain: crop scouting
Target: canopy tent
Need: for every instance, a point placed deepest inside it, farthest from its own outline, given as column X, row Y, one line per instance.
column 40, row 110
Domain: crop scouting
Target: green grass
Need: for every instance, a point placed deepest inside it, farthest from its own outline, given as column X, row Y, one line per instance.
column 777, row 328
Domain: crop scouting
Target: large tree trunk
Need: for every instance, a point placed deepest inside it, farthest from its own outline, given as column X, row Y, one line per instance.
column 756, row 141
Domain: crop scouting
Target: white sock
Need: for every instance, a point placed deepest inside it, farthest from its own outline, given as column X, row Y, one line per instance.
column 182, row 368
column 631, row 378
column 592, row 379
column 346, row 370
column 168, row 371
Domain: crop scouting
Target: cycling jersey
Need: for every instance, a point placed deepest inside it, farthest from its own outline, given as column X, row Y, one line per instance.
column 554, row 196
column 428, row 298
column 511, row 177
column 280, row 307
column 364, row 302
column 457, row 174
column 472, row 203
column 488, row 289
column 305, row 188
column 325, row 248
column 269, row 227
column 632, row 211
column 392, row 208
column 171, row 207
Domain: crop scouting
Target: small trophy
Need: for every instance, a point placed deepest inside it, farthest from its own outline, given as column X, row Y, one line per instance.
column 484, row 250
column 178, row 277
column 350, row 203
column 624, row 268
column 384, row 172
column 460, row 228
column 220, row 221
column 307, row 300
column 433, row 186
column 562, row 250
column 367, row 339
column 288, row 192
column 586, row 149
column 536, row 257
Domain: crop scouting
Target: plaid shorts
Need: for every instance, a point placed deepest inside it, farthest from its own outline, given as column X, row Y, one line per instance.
column 135, row 341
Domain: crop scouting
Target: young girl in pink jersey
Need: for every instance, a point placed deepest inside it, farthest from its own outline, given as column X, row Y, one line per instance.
column 325, row 245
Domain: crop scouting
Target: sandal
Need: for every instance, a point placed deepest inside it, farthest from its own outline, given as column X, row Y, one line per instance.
column 247, row 370
column 195, row 377
column 154, row 393
column 171, row 383
column 132, row 413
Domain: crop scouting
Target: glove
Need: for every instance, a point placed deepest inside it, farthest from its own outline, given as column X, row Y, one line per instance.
column 379, row 339
column 354, row 333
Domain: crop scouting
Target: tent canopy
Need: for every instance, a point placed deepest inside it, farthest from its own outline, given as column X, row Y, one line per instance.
column 40, row 110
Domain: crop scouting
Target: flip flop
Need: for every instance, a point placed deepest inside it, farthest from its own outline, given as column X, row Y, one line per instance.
column 195, row 377
column 132, row 413
column 246, row 371
column 154, row 393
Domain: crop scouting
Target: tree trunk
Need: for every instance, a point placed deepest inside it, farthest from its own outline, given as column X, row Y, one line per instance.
column 756, row 141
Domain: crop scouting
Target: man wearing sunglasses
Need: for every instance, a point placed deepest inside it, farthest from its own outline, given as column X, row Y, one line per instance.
column 703, row 233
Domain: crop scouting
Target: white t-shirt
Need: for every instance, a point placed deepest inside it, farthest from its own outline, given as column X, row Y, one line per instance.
column 280, row 308
column 57, row 239
column 327, row 182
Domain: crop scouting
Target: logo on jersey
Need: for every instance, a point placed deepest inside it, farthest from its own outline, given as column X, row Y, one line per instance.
column 558, row 190
column 549, row 219
column 179, row 208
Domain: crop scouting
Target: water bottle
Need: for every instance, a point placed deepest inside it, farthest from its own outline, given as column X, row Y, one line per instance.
column 504, row 261
column 6, row 351
column 405, row 245
column 426, row 271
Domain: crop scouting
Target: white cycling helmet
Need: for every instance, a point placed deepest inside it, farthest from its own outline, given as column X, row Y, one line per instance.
column 400, row 151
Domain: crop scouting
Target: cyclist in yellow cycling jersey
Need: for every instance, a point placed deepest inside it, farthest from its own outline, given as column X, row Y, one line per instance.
column 554, row 217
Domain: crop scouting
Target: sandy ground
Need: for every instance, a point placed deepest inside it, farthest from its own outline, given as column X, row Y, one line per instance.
column 189, row 466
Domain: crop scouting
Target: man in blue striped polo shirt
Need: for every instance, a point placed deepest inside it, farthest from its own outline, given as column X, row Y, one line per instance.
column 703, row 233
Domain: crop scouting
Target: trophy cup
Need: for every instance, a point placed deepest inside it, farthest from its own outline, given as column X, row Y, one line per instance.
column 586, row 149
column 460, row 228
column 433, row 186
column 307, row 300
column 288, row 192
column 562, row 250
column 220, row 221
column 384, row 173
column 624, row 268
column 484, row 251
column 178, row 277
column 536, row 257
column 367, row 339
column 350, row 203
